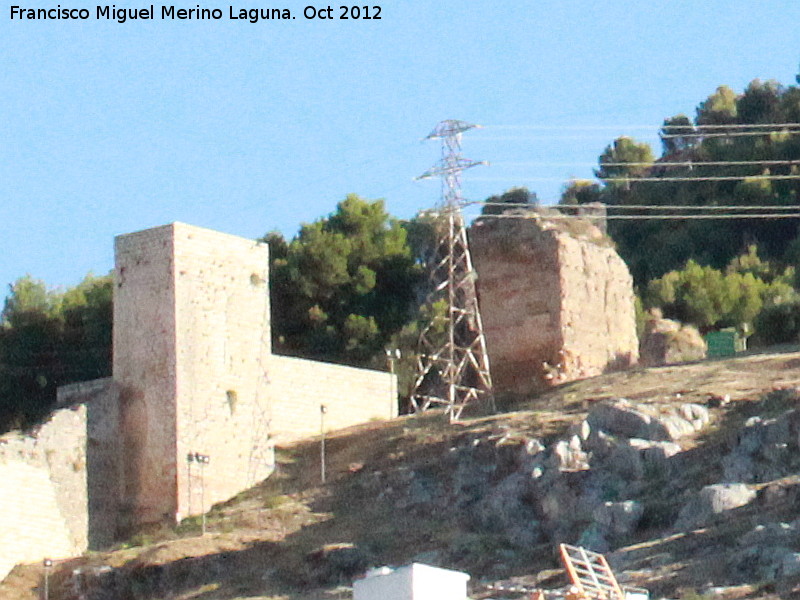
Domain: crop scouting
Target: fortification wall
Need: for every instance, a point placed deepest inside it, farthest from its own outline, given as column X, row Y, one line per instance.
column 298, row 387
column 43, row 498
column 104, row 459
column 223, row 344
column 193, row 375
column 556, row 302
column 598, row 318
column 145, row 373
column 518, row 283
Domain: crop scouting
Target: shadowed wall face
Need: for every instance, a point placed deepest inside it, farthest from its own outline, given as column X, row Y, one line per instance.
column 145, row 373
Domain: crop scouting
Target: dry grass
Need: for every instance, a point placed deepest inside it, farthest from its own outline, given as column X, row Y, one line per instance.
column 263, row 535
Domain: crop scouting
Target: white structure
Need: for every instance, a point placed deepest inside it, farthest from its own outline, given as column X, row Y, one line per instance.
column 413, row 582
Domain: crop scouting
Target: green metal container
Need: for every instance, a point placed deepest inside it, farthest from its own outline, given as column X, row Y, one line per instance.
column 725, row 342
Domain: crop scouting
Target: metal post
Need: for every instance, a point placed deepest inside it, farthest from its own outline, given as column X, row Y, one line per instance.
column 202, row 501
column 202, row 460
column 48, row 563
column 189, row 459
column 392, row 356
column 322, row 410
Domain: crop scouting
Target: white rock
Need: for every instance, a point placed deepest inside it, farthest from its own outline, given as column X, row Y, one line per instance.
column 712, row 500
column 618, row 518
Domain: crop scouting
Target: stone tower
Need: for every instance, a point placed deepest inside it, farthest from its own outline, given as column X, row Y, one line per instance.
column 191, row 345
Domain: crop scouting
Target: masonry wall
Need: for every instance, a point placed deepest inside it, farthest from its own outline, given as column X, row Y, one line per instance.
column 145, row 373
column 223, row 345
column 104, row 458
column 298, row 387
column 195, row 376
column 598, row 319
column 518, row 283
column 556, row 302
column 43, row 498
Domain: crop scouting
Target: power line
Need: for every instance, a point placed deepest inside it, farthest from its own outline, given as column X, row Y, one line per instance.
column 689, row 126
column 704, row 178
column 642, row 206
column 650, row 179
column 733, row 126
column 666, row 136
column 655, row 164
column 662, row 136
column 563, row 217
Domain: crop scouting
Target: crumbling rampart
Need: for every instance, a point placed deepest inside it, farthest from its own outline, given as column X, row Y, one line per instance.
column 556, row 301
column 43, row 493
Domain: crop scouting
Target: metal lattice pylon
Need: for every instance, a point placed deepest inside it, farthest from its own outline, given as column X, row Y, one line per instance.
column 453, row 365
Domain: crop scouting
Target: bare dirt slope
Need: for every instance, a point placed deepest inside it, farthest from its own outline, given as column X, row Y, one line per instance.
column 418, row 488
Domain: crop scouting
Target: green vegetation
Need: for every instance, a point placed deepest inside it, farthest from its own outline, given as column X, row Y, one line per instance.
column 344, row 285
column 712, row 298
column 653, row 248
column 352, row 284
column 50, row 338
column 711, row 273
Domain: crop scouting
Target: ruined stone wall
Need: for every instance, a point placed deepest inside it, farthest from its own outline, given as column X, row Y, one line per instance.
column 43, row 498
column 104, row 458
column 556, row 302
column 518, row 283
column 223, row 343
column 598, row 319
column 298, row 387
column 145, row 373
column 193, row 373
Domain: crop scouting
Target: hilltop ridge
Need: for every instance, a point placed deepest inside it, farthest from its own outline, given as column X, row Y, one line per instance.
column 492, row 495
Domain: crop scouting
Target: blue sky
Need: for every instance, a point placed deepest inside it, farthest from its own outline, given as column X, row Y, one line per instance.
column 108, row 128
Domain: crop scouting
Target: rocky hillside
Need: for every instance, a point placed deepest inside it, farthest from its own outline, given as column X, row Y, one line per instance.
column 688, row 477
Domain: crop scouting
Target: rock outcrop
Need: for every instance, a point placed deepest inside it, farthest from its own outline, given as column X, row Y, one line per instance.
column 667, row 342
column 713, row 500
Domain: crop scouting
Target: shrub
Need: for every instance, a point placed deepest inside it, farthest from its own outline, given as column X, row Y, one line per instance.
column 778, row 324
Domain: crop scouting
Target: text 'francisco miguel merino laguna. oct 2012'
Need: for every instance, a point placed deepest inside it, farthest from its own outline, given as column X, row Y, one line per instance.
column 196, row 13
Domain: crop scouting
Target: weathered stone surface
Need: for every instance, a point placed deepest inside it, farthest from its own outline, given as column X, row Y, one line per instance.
column 625, row 461
column 655, row 453
column 765, row 449
column 667, row 342
column 507, row 508
column 790, row 564
column 617, row 519
column 535, row 281
column 337, row 563
column 568, row 455
column 43, row 496
column 594, row 539
column 195, row 372
column 773, row 534
column 763, row 562
column 712, row 500
column 583, row 430
column 622, row 418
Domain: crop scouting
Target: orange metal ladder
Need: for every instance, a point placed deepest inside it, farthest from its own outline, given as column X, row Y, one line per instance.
column 590, row 574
